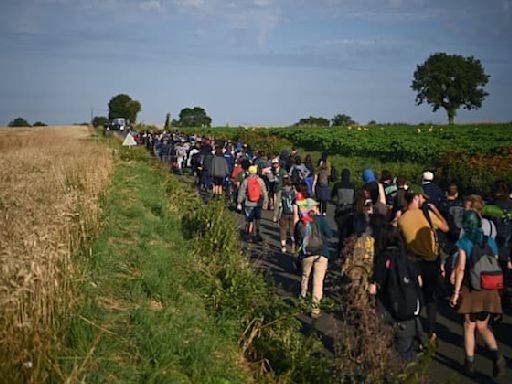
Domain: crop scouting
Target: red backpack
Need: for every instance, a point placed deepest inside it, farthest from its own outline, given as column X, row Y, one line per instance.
column 253, row 189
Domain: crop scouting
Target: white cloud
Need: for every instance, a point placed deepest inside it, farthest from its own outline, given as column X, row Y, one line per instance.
column 262, row 3
column 505, row 5
column 150, row 5
column 347, row 42
column 190, row 3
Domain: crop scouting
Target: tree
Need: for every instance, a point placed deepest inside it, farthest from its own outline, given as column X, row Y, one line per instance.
column 313, row 122
column 99, row 120
column 167, row 123
column 19, row 122
column 194, row 117
column 122, row 106
column 449, row 82
column 39, row 124
column 342, row 120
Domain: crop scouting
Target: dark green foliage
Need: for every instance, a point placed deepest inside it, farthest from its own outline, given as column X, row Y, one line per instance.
column 99, row 121
column 313, row 122
column 194, row 117
column 450, row 82
column 167, row 123
column 342, row 121
column 122, row 106
column 19, row 122
column 39, row 124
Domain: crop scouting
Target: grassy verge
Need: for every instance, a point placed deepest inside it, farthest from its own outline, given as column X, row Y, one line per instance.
column 167, row 297
column 143, row 317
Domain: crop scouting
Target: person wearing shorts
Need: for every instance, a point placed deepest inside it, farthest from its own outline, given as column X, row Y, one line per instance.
column 252, row 209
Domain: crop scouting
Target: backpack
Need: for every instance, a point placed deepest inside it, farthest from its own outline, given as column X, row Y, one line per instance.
column 334, row 174
column 323, row 178
column 484, row 269
column 286, row 201
column 402, row 290
column 197, row 159
column 309, row 237
column 358, row 265
column 296, row 176
column 253, row 189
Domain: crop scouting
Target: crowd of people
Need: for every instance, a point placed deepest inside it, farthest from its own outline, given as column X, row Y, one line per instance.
column 426, row 243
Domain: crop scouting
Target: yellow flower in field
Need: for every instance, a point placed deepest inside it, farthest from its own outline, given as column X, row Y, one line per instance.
column 418, row 130
column 358, row 128
column 430, row 129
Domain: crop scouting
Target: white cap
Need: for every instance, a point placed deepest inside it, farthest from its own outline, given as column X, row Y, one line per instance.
column 428, row 176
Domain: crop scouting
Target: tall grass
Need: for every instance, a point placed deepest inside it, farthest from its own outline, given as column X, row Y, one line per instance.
column 51, row 182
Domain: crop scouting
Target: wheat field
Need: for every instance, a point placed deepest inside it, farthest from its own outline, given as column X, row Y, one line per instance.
column 51, row 181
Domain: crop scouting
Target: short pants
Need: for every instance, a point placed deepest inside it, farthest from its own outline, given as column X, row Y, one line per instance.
column 252, row 213
column 219, row 181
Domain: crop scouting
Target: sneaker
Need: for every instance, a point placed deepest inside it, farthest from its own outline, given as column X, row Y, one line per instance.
column 316, row 313
column 498, row 366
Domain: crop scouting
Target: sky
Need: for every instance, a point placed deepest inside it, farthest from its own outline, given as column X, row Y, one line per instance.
column 247, row 62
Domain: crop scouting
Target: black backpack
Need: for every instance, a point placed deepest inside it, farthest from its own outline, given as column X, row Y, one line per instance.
column 296, row 176
column 402, row 289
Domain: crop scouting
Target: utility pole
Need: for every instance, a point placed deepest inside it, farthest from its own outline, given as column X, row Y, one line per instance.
column 92, row 113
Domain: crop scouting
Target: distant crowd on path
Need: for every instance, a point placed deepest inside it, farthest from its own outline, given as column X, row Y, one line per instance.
column 415, row 242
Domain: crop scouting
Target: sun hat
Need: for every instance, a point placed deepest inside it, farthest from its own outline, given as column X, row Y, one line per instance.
column 253, row 169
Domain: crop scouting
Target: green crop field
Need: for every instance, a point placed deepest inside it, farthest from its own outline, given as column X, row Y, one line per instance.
column 474, row 156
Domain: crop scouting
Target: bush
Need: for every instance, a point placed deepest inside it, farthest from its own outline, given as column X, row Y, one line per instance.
column 39, row 124
column 99, row 121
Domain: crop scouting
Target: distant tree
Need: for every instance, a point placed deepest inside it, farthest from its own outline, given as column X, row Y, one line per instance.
column 194, row 117
column 313, row 122
column 167, row 123
column 134, row 108
column 122, row 106
column 19, row 122
column 372, row 122
column 449, row 82
column 342, row 120
column 39, row 124
column 99, row 120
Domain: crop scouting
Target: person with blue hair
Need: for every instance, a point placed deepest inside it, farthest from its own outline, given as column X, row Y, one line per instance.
column 476, row 306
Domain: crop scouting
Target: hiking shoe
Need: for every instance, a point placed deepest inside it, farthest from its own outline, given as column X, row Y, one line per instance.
column 316, row 313
column 469, row 367
column 498, row 366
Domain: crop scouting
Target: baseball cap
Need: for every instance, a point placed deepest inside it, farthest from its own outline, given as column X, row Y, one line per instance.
column 427, row 176
column 414, row 190
column 253, row 169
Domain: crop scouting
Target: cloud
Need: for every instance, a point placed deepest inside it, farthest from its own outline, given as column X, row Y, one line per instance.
column 505, row 6
column 150, row 5
column 191, row 4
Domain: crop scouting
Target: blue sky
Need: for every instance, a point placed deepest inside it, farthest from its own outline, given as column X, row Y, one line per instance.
column 249, row 62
